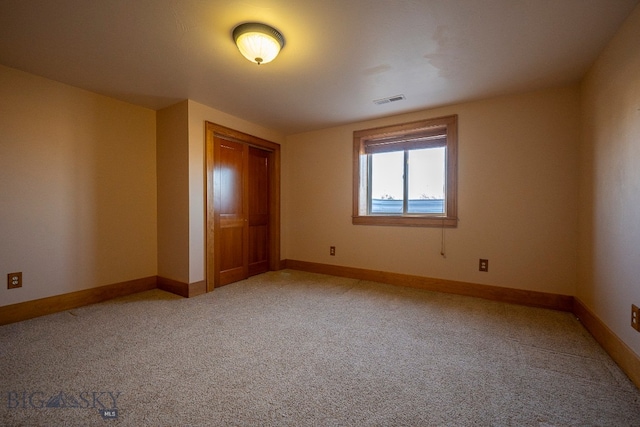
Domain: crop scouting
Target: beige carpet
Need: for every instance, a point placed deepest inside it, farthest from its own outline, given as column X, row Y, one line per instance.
column 296, row 349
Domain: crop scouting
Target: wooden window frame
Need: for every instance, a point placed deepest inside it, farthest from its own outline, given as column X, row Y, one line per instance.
column 408, row 135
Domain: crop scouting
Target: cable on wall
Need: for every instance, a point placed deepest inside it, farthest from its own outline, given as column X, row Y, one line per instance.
column 443, row 252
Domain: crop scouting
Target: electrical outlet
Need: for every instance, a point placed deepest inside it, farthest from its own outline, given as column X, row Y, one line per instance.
column 635, row 317
column 14, row 280
column 484, row 265
column 332, row 251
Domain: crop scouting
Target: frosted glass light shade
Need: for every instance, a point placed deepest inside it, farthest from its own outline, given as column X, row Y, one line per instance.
column 259, row 43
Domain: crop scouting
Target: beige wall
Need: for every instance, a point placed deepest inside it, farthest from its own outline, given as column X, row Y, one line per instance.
column 173, row 192
column 609, row 267
column 78, row 192
column 198, row 115
column 518, row 186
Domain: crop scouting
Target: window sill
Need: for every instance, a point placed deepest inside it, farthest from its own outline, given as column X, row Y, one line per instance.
column 406, row 221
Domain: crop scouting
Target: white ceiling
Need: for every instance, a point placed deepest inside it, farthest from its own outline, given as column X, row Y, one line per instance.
column 339, row 56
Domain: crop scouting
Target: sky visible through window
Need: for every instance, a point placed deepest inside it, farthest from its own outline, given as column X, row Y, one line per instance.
column 426, row 174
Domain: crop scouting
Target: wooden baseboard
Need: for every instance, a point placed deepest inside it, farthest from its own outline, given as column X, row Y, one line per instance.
column 626, row 358
column 187, row 290
column 40, row 307
column 197, row 288
column 515, row 296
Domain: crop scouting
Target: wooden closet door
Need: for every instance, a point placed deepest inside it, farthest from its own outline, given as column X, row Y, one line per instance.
column 259, row 199
column 243, row 205
column 231, row 210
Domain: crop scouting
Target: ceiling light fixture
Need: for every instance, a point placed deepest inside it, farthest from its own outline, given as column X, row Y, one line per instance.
column 259, row 43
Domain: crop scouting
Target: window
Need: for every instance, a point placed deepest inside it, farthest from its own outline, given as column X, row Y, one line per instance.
column 406, row 174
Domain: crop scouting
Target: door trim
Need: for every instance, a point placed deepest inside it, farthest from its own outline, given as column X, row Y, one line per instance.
column 212, row 130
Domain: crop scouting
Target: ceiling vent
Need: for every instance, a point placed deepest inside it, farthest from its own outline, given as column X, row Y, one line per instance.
column 389, row 99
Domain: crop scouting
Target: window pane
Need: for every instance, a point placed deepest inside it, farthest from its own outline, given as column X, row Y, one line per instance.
column 427, row 180
column 387, row 170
